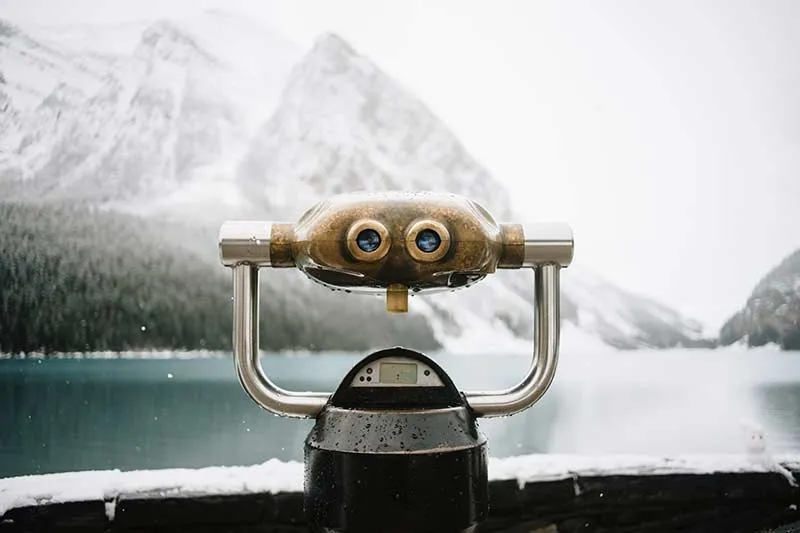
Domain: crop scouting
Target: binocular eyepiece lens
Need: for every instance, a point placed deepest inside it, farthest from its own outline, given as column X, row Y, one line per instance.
column 428, row 241
column 368, row 240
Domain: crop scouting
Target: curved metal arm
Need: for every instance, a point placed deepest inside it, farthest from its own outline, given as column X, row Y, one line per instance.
column 545, row 353
column 548, row 248
column 245, row 246
column 245, row 352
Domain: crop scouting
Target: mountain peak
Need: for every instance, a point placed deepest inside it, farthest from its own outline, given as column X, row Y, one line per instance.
column 345, row 125
column 167, row 41
column 331, row 55
column 163, row 29
column 334, row 45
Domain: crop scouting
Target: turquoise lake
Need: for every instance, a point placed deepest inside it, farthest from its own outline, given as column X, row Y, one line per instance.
column 86, row 414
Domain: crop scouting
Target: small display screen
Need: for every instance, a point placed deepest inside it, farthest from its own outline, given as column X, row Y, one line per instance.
column 401, row 373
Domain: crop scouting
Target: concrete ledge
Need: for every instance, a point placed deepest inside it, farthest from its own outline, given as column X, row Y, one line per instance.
column 746, row 502
column 725, row 502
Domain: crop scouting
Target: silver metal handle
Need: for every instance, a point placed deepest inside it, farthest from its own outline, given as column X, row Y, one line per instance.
column 548, row 248
column 545, row 353
column 245, row 246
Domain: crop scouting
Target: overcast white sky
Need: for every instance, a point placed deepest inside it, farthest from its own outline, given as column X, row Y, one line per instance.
column 666, row 132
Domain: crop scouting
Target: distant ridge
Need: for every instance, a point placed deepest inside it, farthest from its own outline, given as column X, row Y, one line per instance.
column 772, row 312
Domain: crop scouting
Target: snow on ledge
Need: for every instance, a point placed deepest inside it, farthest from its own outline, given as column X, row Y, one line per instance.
column 550, row 467
column 276, row 476
column 273, row 476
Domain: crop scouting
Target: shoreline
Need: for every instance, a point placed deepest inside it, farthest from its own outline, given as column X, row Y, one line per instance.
column 217, row 354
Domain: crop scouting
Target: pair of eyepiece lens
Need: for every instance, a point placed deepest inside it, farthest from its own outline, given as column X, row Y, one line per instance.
column 427, row 240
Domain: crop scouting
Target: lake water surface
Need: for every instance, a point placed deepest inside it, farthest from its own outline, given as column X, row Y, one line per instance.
column 85, row 414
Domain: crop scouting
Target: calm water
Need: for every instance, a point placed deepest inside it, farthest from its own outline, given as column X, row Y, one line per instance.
column 80, row 414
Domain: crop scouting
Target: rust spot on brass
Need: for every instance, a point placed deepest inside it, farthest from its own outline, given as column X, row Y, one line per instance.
column 397, row 298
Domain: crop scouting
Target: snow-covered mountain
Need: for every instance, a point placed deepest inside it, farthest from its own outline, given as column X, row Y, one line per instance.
column 772, row 313
column 343, row 125
column 215, row 117
column 165, row 120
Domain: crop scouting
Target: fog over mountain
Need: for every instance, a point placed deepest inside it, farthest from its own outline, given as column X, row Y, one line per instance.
column 214, row 117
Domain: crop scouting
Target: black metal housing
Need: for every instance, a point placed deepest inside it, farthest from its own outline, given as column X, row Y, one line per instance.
column 392, row 460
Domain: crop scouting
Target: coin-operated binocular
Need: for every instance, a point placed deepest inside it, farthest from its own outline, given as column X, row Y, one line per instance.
column 396, row 447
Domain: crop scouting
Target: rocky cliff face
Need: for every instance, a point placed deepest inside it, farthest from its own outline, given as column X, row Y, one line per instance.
column 213, row 118
column 772, row 313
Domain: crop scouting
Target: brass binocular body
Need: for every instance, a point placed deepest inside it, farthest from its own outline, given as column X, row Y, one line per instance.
column 395, row 242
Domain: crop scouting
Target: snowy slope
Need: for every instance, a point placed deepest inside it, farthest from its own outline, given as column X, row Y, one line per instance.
column 216, row 117
column 171, row 108
column 627, row 320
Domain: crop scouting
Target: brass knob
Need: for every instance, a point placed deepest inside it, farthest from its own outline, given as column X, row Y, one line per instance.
column 397, row 298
